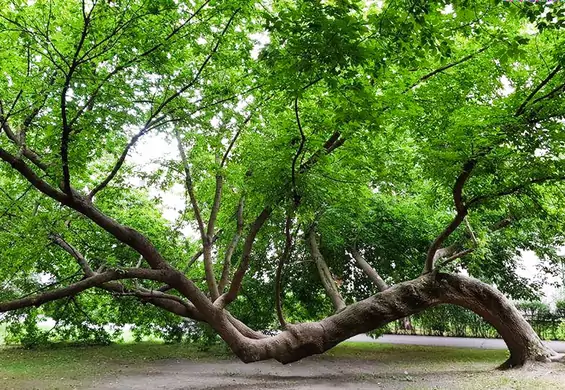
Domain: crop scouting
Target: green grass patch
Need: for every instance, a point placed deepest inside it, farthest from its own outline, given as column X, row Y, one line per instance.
column 416, row 353
column 77, row 363
column 2, row 333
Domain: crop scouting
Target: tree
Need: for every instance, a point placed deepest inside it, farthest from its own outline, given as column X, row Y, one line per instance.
column 398, row 140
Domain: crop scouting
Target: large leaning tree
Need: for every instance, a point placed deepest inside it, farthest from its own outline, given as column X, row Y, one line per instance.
column 346, row 160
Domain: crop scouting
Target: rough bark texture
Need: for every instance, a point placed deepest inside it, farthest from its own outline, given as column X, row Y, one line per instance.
column 399, row 301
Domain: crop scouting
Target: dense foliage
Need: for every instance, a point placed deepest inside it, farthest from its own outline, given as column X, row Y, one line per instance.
column 353, row 119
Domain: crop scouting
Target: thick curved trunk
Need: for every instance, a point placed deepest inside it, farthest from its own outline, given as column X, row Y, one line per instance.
column 522, row 341
column 399, row 301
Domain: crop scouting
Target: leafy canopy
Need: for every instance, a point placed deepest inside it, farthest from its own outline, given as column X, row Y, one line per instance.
column 409, row 92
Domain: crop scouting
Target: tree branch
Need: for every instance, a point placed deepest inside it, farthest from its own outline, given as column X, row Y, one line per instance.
column 190, row 189
column 368, row 269
column 226, row 298
column 155, row 118
column 231, row 248
column 456, row 256
column 446, row 67
column 215, row 203
column 131, row 62
column 155, row 297
column 324, row 272
column 461, row 208
column 282, row 260
column 334, row 142
column 206, row 239
column 512, row 190
column 27, row 153
column 192, row 260
column 298, row 152
column 58, row 240
column 65, row 138
column 544, row 82
column 90, row 282
column 234, row 139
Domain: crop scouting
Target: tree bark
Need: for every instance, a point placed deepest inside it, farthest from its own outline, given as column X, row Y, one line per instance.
column 398, row 301
column 369, row 271
column 325, row 274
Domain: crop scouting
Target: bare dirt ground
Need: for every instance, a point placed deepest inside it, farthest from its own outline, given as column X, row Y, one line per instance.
column 347, row 366
column 328, row 373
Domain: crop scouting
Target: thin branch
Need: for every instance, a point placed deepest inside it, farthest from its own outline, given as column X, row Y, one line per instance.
column 119, row 163
column 503, row 223
column 206, row 240
column 58, row 240
column 513, row 190
column 454, row 257
column 27, row 153
column 446, row 251
column 325, row 275
column 200, row 69
column 189, row 264
column 65, row 138
column 215, row 203
column 152, row 294
column 334, row 142
column 298, row 152
column 233, row 140
column 557, row 90
column 133, row 61
column 470, row 231
column 155, row 118
column 189, row 187
column 522, row 107
column 20, row 166
column 446, row 67
column 231, row 248
column 5, row 116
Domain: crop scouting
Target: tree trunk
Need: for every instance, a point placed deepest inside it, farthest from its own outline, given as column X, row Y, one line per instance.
column 406, row 324
column 398, row 301
column 522, row 341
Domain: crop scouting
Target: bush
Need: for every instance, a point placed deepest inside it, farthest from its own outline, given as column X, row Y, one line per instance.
column 560, row 309
column 376, row 333
column 27, row 332
column 538, row 314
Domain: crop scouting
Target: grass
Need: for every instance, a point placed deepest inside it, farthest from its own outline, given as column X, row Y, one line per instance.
column 77, row 361
column 2, row 333
column 74, row 367
column 417, row 353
